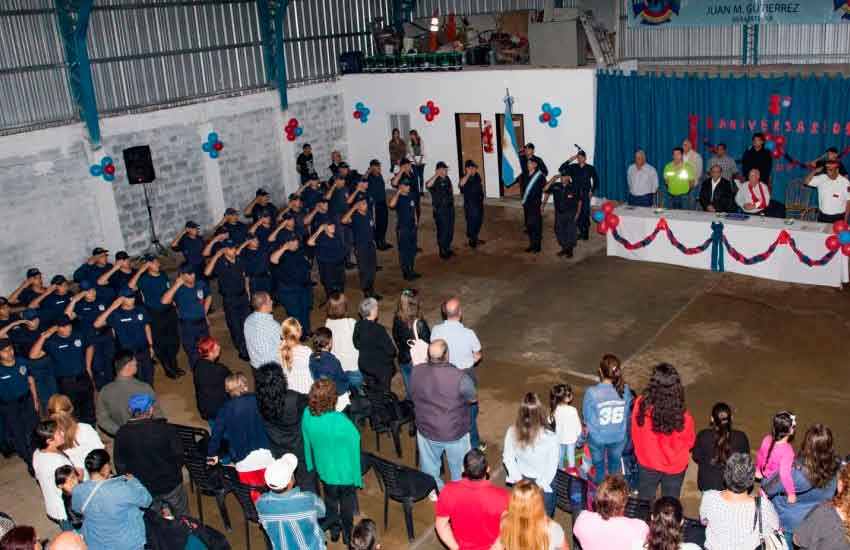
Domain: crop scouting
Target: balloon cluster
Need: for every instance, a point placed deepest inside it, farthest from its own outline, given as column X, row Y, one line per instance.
column 549, row 115
column 430, row 110
column 106, row 168
column 361, row 112
column 212, row 145
column 606, row 218
column 293, row 130
column 774, row 144
column 487, row 136
column 840, row 238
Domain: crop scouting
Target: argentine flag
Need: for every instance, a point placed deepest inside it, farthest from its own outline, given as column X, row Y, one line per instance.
column 510, row 152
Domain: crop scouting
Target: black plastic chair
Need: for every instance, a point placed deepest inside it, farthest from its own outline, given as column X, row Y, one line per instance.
column 570, row 496
column 203, row 479
column 242, row 491
column 387, row 415
column 401, row 484
column 638, row 509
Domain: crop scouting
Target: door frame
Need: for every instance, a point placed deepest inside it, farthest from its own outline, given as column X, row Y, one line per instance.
column 460, row 161
column 501, row 116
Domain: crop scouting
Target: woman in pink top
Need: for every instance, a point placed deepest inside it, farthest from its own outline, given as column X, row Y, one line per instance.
column 776, row 453
column 608, row 528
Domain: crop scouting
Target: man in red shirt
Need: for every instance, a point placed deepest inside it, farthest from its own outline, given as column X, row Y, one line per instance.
column 469, row 510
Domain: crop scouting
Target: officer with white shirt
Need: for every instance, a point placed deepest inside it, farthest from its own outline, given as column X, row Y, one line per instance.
column 833, row 192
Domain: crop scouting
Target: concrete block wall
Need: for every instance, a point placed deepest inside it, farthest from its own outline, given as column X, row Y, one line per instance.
column 323, row 121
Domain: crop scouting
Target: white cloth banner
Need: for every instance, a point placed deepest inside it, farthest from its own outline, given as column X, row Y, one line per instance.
column 750, row 237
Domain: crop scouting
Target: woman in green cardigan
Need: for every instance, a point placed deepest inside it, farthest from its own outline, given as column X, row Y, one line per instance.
column 332, row 448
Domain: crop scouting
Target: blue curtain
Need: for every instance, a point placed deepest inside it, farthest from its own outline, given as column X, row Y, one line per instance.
column 656, row 113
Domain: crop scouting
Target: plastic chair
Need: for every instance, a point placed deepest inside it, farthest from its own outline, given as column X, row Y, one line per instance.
column 387, row 415
column 401, row 484
column 203, row 479
column 246, row 503
column 638, row 509
column 797, row 200
column 570, row 496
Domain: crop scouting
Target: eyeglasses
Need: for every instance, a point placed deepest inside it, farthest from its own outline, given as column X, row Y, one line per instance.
column 409, row 292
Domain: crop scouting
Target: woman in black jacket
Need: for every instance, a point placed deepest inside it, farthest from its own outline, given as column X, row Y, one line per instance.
column 209, row 376
column 406, row 317
column 715, row 445
column 377, row 351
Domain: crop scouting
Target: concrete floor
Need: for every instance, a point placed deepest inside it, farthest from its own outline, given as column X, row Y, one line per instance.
column 759, row 345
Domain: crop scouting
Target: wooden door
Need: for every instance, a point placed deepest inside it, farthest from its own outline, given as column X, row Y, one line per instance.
column 519, row 130
column 470, row 145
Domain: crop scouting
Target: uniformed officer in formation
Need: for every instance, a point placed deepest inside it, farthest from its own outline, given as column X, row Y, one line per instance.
column 525, row 174
column 378, row 192
column 406, row 225
column 567, row 200
column 330, row 255
column 228, row 268
column 337, row 196
column 71, row 355
column 191, row 295
column 362, row 222
column 190, row 243
column 310, row 192
column 260, row 206
column 152, row 282
column 29, row 289
column 261, row 229
column 587, row 180
column 85, row 307
column 52, row 302
column 405, row 173
column 118, row 276
column 95, row 265
column 19, row 404
column 291, row 271
column 19, row 327
column 236, row 230
column 443, row 207
column 472, row 189
column 255, row 258
column 131, row 326
column 532, row 202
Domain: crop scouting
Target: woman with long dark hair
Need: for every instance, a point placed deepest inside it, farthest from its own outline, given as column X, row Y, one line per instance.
column 827, row 527
column 665, row 527
column 814, row 476
column 531, row 449
column 22, row 537
column 397, row 148
column 48, row 440
column 663, row 434
column 714, row 446
column 407, row 316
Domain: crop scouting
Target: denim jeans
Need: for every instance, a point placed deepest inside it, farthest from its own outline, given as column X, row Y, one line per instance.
column 641, row 200
column 405, row 369
column 671, row 484
column 677, row 202
column 605, row 453
column 474, row 438
column 568, row 451
column 431, row 456
column 549, row 502
column 355, row 379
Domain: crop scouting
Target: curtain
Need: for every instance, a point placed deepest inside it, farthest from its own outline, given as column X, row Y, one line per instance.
column 656, row 113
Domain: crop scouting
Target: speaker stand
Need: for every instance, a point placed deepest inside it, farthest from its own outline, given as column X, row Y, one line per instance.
column 155, row 247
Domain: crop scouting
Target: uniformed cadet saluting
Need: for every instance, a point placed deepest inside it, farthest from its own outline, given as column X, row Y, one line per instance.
column 406, row 173
column 330, row 255
column 153, row 282
column 362, row 222
column 337, row 197
column 230, row 224
column 587, row 181
column 310, row 192
column 567, row 199
column 117, row 277
column 190, row 243
column 132, row 329
column 378, row 192
column 532, row 201
column 29, row 289
column 71, row 354
column 228, row 268
column 406, row 227
column 24, row 332
column 261, row 229
column 255, row 258
column 291, row 272
column 442, row 204
column 260, row 206
column 192, row 297
column 52, row 302
column 472, row 189
column 18, row 401
column 85, row 307
column 21, row 328
column 96, row 265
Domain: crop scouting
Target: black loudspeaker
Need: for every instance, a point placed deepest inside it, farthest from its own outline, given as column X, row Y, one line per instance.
column 139, row 164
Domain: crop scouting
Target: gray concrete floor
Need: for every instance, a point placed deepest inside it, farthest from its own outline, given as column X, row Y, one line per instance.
column 761, row 346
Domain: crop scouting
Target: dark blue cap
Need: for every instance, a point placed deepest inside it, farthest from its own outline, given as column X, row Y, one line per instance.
column 86, row 284
column 33, row 271
column 140, row 402
column 63, row 320
column 230, row 212
column 58, row 280
column 127, row 292
column 186, row 268
column 29, row 314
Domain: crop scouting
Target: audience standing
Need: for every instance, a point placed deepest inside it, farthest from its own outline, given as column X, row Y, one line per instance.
column 606, row 410
column 342, row 328
column 565, row 421
column 408, row 326
column 209, row 377
column 607, row 528
column 827, row 526
column 643, row 181
column 715, row 445
column 295, row 357
column 80, row 438
column 112, row 411
column 525, row 525
column 377, row 352
column 238, row 421
column 262, row 332
column 776, row 454
column 48, row 439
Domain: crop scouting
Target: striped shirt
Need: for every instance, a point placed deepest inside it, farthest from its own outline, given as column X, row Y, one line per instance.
column 727, row 166
column 291, row 519
column 262, row 338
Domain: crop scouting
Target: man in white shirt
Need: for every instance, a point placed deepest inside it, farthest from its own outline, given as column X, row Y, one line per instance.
column 693, row 158
column 464, row 353
column 753, row 196
column 833, row 192
column 262, row 332
column 643, row 181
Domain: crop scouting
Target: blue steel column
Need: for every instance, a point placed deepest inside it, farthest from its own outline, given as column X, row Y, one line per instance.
column 73, row 18
column 272, row 16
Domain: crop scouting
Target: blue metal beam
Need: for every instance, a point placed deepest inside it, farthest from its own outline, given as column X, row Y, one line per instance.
column 272, row 16
column 73, row 16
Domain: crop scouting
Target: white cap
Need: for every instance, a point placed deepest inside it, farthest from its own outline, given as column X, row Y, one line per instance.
column 279, row 473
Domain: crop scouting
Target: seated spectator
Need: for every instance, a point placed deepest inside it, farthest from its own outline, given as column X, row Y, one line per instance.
column 151, row 450
column 607, row 528
column 728, row 514
column 47, row 439
column 238, row 421
column 407, row 317
column 469, row 511
column 814, row 475
column 112, row 507
column 715, row 445
column 663, row 434
column 342, row 328
column 377, row 351
column 295, row 356
column 525, row 525
column 323, row 364
column 209, row 376
column 112, row 412
column 532, row 450
column 332, row 448
column 365, row 536
column 21, row 537
column 289, row 515
column 80, row 438
column 665, row 528
column 828, row 524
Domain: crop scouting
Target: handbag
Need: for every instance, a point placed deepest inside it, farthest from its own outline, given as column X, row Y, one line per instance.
column 774, row 540
column 418, row 347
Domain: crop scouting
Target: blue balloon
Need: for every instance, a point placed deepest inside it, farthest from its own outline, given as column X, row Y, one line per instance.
column 105, row 161
column 212, row 137
column 359, row 105
column 366, row 111
column 599, row 216
column 541, row 119
column 844, row 237
column 556, row 111
column 423, row 109
column 769, row 145
column 213, row 154
column 546, row 107
column 553, row 122
column 96, row 170
column 207, row 146
column 109, row 177
column 299, row 131
column 364, row 119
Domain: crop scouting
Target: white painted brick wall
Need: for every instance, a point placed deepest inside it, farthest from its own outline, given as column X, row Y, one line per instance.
column 323, row 120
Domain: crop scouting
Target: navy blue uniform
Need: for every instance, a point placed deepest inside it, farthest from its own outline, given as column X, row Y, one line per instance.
column 473, row 207
column 26, row 296
column 69, row 366
column 406, row 233
column 532, row 199
column 256, row 264
column 101, row 339
column 163, row 319
column 378, row 192
column 565, row 198
column 236, row 232
column 442, row 202
column 118, row 282
column 129, row 327
column 586, row 180
column 193, row 252
column 294, row 288
column 523, row 164
column 21, row 336
column 17, row 412
column 193, row 318
column 263, row 233
column 259, row 211
column 363, row 228
column 310, row 197
column 40, row 369
column 51, row 308
column 92, row 273
column 330, row 255
column 231, row 286
column 337, row 207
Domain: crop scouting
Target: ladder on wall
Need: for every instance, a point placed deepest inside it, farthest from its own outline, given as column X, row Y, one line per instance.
column 599, row 40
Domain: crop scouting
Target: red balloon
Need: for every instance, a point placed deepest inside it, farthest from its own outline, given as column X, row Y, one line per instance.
column 602, row 227
column 613, row 220
column 294, row 122
column 780, row 140
column 608, row 207
column 290, row 137
column 832, row 243
column 357, row 114
column 776, row 154
column 430, row 104
column 839, row 226
column 218, row 146
column 846, row 249
column 109, row 169
column 768, row 136
column 429, row 117
column 547, row 117
column 435, row 111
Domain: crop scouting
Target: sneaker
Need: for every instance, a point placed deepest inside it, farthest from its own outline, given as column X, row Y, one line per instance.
column 432, row 496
